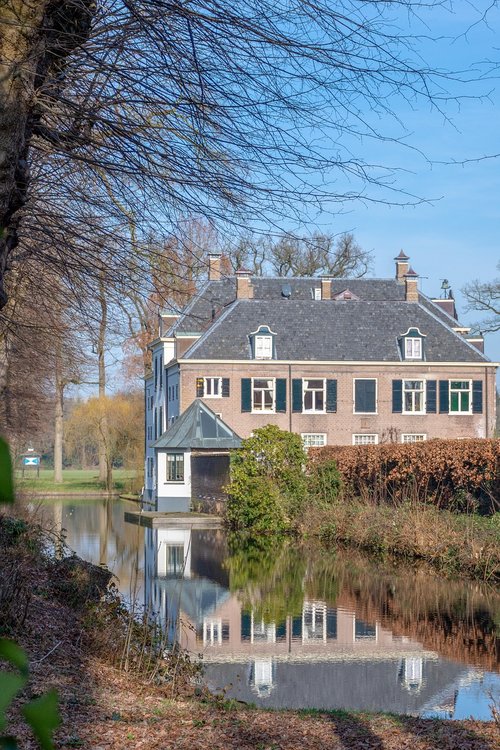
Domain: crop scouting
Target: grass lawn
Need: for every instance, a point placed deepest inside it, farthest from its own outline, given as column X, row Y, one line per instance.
column 75, row 481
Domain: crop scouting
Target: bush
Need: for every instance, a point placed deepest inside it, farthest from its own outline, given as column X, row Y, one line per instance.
column 268, row 484
column 324, row 483
column 449, row 473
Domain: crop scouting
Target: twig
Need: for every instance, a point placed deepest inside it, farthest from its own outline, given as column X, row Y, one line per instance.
column 48, row 653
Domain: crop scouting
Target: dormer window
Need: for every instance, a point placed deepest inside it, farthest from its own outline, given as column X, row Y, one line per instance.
column 413, row 348
column 263, row 347
column 262, row 342
column 412, row 344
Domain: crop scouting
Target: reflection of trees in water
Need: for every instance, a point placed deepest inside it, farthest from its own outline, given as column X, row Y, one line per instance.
column 460, row 620
column 267, row 575
column 457, row 619
column 120, row 545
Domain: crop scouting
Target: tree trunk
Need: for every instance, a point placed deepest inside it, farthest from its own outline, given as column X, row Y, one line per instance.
column 58, row 419
column 35, row 38
column 105, row 467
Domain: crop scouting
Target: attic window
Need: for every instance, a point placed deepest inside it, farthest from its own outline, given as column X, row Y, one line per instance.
column 262, row 342
column 412, row 344
column 346, row 294
column 316, row 292
column 413, row 348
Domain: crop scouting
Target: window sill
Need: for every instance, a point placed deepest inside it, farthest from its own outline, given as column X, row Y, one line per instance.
column 263, row 411
column 366, row 413
column 174, row 481
column 414, row 413
column 312, row 411
column 461, row 413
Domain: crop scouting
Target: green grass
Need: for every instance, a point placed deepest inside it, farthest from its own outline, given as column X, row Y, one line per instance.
column 75, row 481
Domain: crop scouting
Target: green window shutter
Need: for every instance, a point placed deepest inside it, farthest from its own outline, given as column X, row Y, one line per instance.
column 225, row 387
column 397, row 396
column 365, row 396
column 246, row 394
column 477, row 396
column 297, row 394
column 281, row 394
column 331, row 395
column 444, row 396
column 200, row 387
column 431, row 397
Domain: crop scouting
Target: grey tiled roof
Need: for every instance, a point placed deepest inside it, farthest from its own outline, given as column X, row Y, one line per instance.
column 215, row 296
column 197, row 315
column 198, row 427
column 330, row 330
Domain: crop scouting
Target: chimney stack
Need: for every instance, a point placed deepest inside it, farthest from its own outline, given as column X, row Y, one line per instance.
column 243, row 284
column 411, row 286
column 214, row 273
column 326, row 287
column 402, row 266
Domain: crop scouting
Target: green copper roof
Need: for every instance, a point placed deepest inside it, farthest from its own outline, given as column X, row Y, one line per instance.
column 198, row 427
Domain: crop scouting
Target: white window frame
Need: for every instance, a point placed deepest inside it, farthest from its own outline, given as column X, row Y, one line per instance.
column 456, row 390
column 313, row 390
column 361, row 435
column 212, row 380
column 263, row 344
column 272, row 410
column 177, row 457
column 317, row 292
column 424, row 395
column 410, row 347
column 312, row 435
column 409, row 438
column 372, row 413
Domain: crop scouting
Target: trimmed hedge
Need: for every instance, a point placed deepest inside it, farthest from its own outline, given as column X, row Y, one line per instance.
column 449, row 473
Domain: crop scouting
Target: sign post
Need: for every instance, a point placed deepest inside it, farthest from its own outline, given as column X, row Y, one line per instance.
column 31, row 460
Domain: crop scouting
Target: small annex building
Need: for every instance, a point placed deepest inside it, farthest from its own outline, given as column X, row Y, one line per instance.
column 192, row 460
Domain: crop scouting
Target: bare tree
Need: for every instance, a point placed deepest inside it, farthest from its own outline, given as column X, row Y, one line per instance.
column 311, row 255
column 484, row 297
column 165, row 108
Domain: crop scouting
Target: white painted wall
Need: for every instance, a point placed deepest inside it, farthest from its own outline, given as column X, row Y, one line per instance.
column 175, row 537
column 172, row 496
column 149, row 452
column 162, row 412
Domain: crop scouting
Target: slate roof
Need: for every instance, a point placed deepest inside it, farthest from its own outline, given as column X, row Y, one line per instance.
column 198, row 427
column 215, row 296
column 352, row 685
column 332, row 330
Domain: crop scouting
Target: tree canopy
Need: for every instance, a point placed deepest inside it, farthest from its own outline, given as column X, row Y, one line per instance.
column 123, row 112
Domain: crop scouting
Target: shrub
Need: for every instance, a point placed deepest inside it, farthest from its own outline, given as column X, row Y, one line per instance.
column 324, row 483
column 449, row 473
column 268, row 484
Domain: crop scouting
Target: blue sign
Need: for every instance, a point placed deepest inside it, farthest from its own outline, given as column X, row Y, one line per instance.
column 31, row 460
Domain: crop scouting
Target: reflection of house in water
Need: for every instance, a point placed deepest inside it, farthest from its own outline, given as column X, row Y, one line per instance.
column 323, row 656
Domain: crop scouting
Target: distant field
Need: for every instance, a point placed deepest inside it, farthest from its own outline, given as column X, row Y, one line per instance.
column 75, row 480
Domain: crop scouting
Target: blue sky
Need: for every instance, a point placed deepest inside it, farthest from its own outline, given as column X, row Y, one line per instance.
column 454, row 234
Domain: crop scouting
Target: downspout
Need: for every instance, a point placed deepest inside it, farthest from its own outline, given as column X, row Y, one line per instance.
column 290, row 405
column 486, row 403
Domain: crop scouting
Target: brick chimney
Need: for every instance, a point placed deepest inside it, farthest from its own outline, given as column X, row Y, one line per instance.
column 243, row 284
column 402, row 266
column 326, row 287
column 214, row 273
column 447, row 304
column 411, row 286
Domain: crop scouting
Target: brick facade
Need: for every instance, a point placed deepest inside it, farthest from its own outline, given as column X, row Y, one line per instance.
column 340, row 426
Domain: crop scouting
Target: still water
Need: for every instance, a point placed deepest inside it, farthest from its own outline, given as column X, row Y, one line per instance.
column 287, row 627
